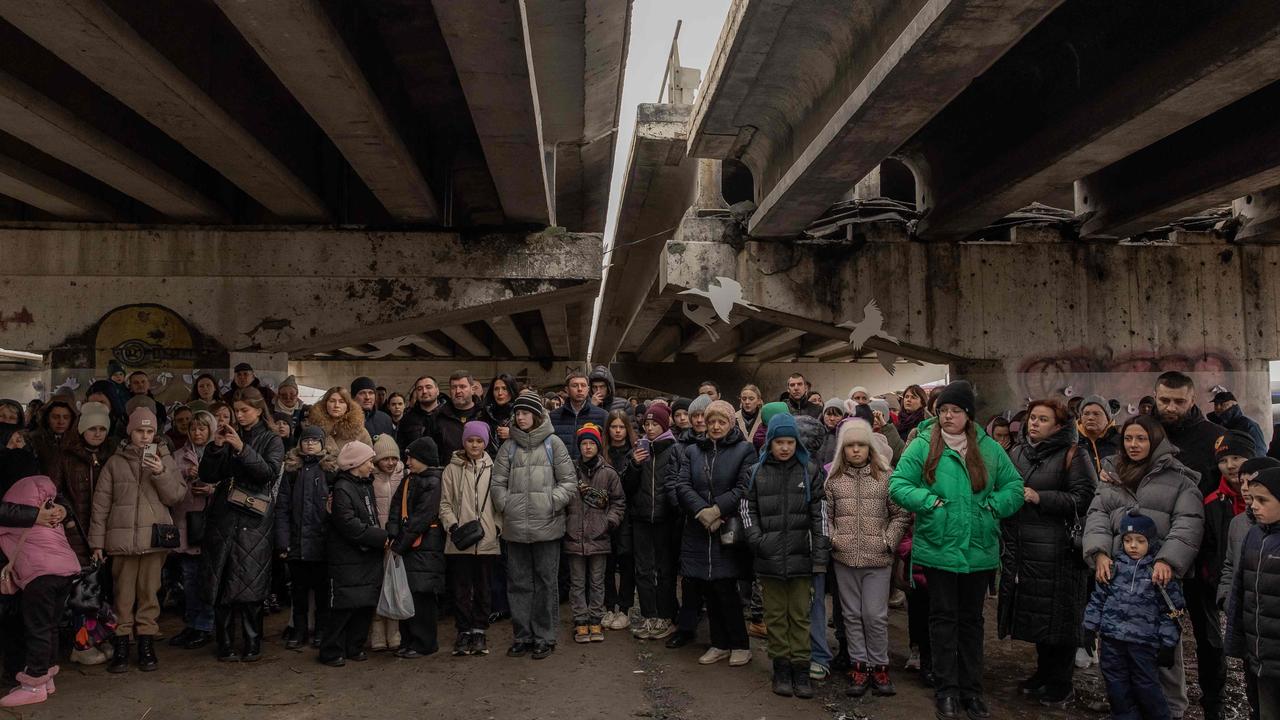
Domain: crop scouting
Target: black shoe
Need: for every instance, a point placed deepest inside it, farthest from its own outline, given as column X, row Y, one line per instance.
column 334, row 662
column 315, row 640
column 519, row 649
column 1060, row 698
column 497, row 617
column 679, row 639
column 251, row 629
column 840, row 663
column 462, row 646
column 976, row 708
column 147, row 660
column 782, row 678
column 801, row 683
column 294, row 643
column 290, row 633
column 928, row 678
column 223, row 629
column 180, row 640
column 198, row 639
column 542, row 650
column 947, row 708
column 408, row 653
column 359, row 657
column 119, row 655
column 273, row 604
column 479, row 645
column 880, row 683
column 1032, row 686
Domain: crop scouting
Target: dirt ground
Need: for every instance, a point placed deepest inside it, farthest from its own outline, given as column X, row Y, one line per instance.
column 620, row 678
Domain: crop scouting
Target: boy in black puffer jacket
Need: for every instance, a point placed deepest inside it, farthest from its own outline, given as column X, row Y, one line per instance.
column 413, row 525
column 300, row 525
column 353, row 546
column 1253, row 611
column 784, row 518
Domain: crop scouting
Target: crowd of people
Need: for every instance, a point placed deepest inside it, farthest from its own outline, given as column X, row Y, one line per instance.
column 372, row 513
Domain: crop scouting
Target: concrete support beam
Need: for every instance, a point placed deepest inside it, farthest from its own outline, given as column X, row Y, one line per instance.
column 1204, row 165
column 489, row 43
column 1259, row 216
column 509, row 334
column 427, row 344
column 296, row 39
column 22, row 182
column 652, row 313
column 1099, row 98
column 90, row 37
column 830, row 379
column 400, row 374
column 466, row 340
column 556, row 322
column 771, row 342
column 54, row 130
column 659, row 186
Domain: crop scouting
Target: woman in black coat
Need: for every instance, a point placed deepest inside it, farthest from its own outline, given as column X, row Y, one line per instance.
column 352, row 547
column 236, row 553
column 1044, row 583
column 414, row 528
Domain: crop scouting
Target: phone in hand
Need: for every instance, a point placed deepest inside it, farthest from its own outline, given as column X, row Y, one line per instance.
column 644, row 444
column 152, row 451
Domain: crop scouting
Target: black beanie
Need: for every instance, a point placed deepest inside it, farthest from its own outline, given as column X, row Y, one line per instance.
column 1269, row 479
column 312, row 432
column 362, row 383
column 424, row 451
column 1258, row 464
column 1234, row 442
column 680, row 404
column 529, row 402
column 960, row 394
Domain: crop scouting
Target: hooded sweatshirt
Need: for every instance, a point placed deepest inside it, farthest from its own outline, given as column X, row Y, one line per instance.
column 45, row 550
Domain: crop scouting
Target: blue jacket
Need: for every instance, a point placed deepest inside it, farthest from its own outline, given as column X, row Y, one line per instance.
column 567, row 422
column 1235, row 419
column 1131, row 609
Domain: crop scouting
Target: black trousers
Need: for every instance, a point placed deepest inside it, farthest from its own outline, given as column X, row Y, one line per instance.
column 1133, row 681
column 655, row 568
column 308, row 577
column 1054, row 666
column 724, row 613
column 469, row 586
column 418, row 633
column 918, row 625
column 1203, row 608
column 619, row 582
column 691, row 604
column 43, row 600
column 346, row 633
column 955, row 630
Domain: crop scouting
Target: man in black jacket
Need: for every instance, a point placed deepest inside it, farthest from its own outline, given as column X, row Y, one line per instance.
column 365, row 392
column 797, row 398
column 461, row 409
column 419, row 420
column 1227, row 413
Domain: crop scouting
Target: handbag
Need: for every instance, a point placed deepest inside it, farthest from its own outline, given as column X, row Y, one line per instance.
column 731, row 532
column 164, row 535
column 195, row 527
column 248, row 501
column 471, row 532
column 8, row 584
column 87, row 587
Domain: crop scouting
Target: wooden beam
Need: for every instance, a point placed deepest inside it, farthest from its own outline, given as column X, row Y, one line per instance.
column 505, row 328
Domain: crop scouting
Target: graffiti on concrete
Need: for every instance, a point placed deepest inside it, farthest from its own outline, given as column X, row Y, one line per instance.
column 144, row 336
column 719, row 300
column 19, row 317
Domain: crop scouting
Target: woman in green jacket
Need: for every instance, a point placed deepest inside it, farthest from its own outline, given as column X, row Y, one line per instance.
column 960, row 484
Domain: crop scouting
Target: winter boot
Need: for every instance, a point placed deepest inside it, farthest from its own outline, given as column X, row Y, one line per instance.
column 119, row 654
column 31, row 690
column 251, row 627
column 880, row 682
column 50, row 687
column 377, row 635
column 147, row 660
column 859, row 680
column 800, row 680
column 782, row 677
column 224, row 633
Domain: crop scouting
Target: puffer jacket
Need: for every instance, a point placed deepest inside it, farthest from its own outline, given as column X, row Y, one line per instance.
column 302, row 519
column 1131, row 608
column 1236, row 532
column 567, row 422
column 353, row 545
column 714, row 472
column 129, row 500
column 1168, row 495
column 962, row 535
column 784, row 517
column 1253, row 612
column 588, row 528
column 384, row 486
column 530, row 489
column 188, row 462
column 1235, row 419
column 424, row 565
column 649, row 485
column 620, row 540
column 237, row 551
column 76, row 477
column 866, row 526
column 1043, row 581
column 1194, row 439
column 1099, row 448
column 465, row 495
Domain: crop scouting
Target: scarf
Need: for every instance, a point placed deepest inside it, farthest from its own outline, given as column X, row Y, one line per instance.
column 907, row 421
column 959, row 443
column 1224, row 490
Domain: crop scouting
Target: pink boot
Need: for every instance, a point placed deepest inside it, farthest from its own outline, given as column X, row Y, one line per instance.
column 49, row 687
column 31, row 691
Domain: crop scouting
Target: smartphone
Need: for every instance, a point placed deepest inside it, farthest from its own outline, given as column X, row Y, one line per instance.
column 644, row 444
column 151, row 450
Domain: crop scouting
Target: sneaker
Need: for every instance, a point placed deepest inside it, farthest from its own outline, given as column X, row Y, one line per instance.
column 597, row 633
column 660, row 629
column 641, row 631
column 738, row 658
column 479, row 645
column 581, row 634
column 462, row 646
column 897, row 599
column 818, row 671
column 1083, row 659
column 519, row 649
column 859, row 680
column 621, row 621
column 607, row 620
column 757, row 630
column 713, row 655
column 92, row 656
column 880, row 682
column 913, row 660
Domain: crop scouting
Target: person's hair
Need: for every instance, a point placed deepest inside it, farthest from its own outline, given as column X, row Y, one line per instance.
column 795, row 375
column 252, row 397
column 461, row 375
column 753, row 389
column 574, row 375
column 217, row 405
column 202, row 419
column 973, row 461
column 343, row 429
column 1056, row 408
column 932, row 399
column 1175, row 380
column 712, row 383
column 395, row 394
column 622, row 417
column 513, row 388
column 997, row 421
column 135, row 373
column 1131, row 473
column 180, row 408
column 420, row 378
column 195, row 386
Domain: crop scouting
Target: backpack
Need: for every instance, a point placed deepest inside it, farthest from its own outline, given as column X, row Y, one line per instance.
column 546, row 445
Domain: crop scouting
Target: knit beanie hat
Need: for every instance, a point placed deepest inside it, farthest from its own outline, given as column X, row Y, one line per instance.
column 882, row 406
column 385, row 447
column 810, row 433
column 1257, row 465
column 1136, row 522
column 290, row 381
column 659, row 414
column 721, row 408
column 93, row 414
column 859, row 389
column 530, row 402
column 680, row 404
column 312, row 432
column 113, row 367
column 784, row 426
column 959, row 393
column 1269, row 479
column 590, row 431
column 699, row 404
column 859, row 431
column 835, row 404
column 1234, row 442
column 1098, row 400
column 140, row 401
column 354, row 454
column 424, row 451
column 142, row 418
column 476, row 428
column 772, row 410
column 362, row 383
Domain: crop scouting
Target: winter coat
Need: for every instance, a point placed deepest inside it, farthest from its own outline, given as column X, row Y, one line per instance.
column 495, row 416
column 1235, row 419
column 353, row 544
column 416, row 423
column 567, row 422
column 268, row 395
column 1219, row 511
column 49, row 448
column 1131, row 608
column 237, row 551
column 961, row 535
column 530, row 489
column 714, row 472
column 301, row 516
column 1194, row 440
column 784, row 518
column 339, row 432
column 1043, row 582
column 866, row 526
column 45, row 551
column 188, row 460
column 896, row 443
column 384, row 486
column 1236, row 532
column 466, row 495
column 588, row 527
column 449, row 422
column 611, row 401
column 1101, row 448
column 620, row 540
column 648, row 485
column 1167, row 495
column 748, row 430
column 1253, row 612
column 129, row 500
column 378, row 423
column 827, row 452
column 801, row 407
column 424, row 564
column 76, row 476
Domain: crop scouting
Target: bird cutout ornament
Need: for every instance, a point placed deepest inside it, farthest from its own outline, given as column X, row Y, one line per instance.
column 704, row 316
column 1133, row 409
column 1069, row 391
column 720, row 298
column 872, row 326
column 163, row 379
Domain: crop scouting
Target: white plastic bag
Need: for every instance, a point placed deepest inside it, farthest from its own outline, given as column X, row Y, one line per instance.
column 396, row 602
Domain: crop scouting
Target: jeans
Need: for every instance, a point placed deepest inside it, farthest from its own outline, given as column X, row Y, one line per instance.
column 586, row 588
column 724, row 613
column 955, row 630
column 418, row 633
column 1133, row 681
column 655, row 569
column 864, row 598
column 819, row 647
column 787, row 604
column 469, row 585
column 199, row 614
column 43, row 600
column 533, row 571
column 619, row 582
column 308, row 577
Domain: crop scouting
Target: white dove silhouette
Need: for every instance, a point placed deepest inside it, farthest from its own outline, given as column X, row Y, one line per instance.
column 872, row 325
column 723, row 294
column 703, row 317
column 386, row 347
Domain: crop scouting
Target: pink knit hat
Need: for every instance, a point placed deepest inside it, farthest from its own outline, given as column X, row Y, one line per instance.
column 354, row 454
column 142, row 418
column 476, row 428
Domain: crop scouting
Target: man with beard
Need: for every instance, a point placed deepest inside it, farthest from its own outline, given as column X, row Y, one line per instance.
column 419, row 420
column 462, row 408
